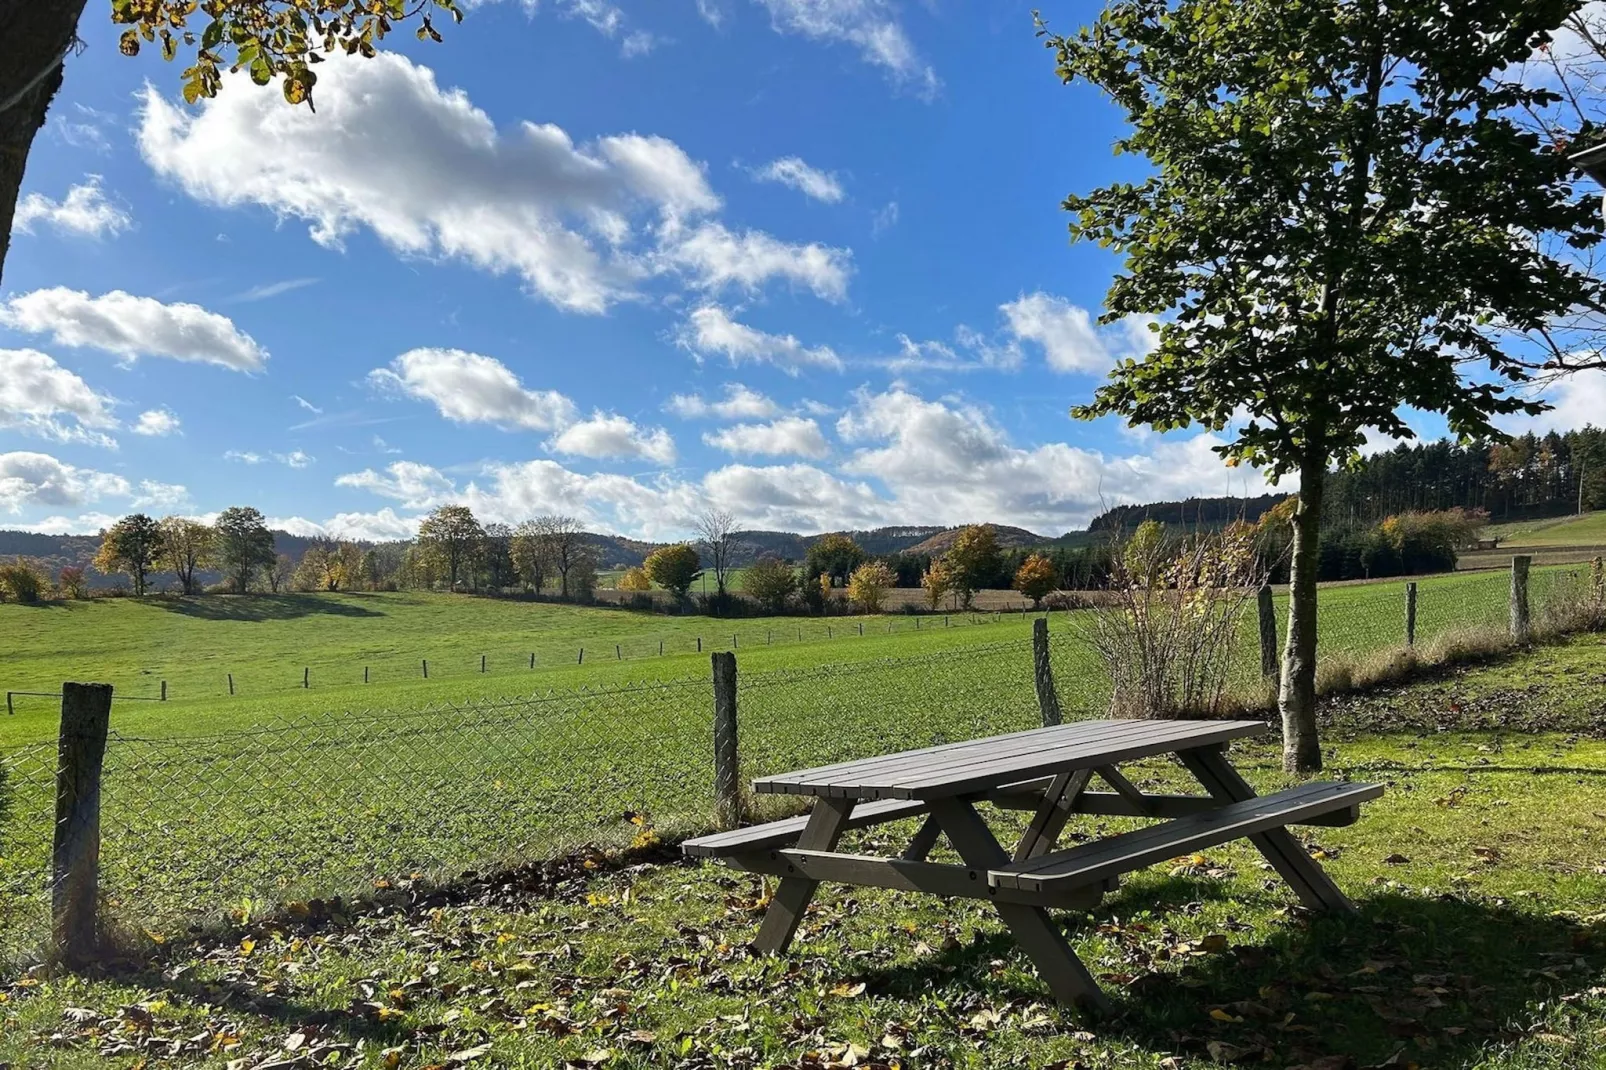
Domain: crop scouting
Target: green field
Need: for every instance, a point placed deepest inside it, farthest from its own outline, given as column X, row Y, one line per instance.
column 1586, row 530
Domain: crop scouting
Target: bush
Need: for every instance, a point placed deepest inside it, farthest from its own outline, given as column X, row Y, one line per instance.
column 72, row 582
column 869, row 584
column 635, row 579
column 771, row 581
column 23, row 581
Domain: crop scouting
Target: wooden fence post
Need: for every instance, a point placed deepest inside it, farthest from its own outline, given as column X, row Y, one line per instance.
column 75, row 857
column 1048, row 700
column 1410, row 613
column 727, row 774
column 164, row 690
column 306, row 676
column 1268, row 632
column 231, row 683
column 426, row 668
column 1597, row 578
column 1520, row 628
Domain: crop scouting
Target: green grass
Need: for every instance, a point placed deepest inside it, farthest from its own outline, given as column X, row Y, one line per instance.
column 1586, row 530
column 1479, row 942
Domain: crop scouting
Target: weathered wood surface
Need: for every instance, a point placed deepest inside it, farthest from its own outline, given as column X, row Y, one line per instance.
column 785, row 833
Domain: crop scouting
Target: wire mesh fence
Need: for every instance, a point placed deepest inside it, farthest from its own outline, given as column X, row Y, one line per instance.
column 197, row 825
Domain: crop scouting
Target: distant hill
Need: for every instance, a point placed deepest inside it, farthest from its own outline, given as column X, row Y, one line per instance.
column 1194, row 512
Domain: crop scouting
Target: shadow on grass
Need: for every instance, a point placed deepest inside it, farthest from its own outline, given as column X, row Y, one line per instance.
column 1439, row 979
column 262, row 607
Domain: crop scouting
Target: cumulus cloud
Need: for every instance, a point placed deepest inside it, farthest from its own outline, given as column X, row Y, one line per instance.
column 156, row 423
column 417, row 485
column 40, row 397
column 38, row 479
column 84, row 211
column 710, row 330
column 871, row 26
column 392, row 152
column 1070, row 340
column 810, row 181
column 159, row 497
column 82, row 524
column 715, row 257
column 471, row 388
column 133, row 327
column 1575, row 400
column 608, row 435
column 788, row 436
column 740, row 403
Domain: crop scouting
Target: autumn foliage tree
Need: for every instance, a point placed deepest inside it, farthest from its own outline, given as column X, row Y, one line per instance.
column 1343, row 217
column 869, row 584
column 186, row 547
column 833, row 556
column 674, row 568
column 936, row 581
column 771, row 582
column 132, row 545
column 972, row 561
column 1036, row 578
column 451, row 536
column 635, row 579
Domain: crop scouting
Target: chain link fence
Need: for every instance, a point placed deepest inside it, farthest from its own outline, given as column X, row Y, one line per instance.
column 194, row 826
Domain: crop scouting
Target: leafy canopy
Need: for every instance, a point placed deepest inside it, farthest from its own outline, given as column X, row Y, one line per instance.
column 267, row 38
column 1343, row 214
column 674, row 568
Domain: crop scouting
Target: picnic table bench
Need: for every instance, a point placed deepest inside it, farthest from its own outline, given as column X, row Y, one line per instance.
column 1047, row 771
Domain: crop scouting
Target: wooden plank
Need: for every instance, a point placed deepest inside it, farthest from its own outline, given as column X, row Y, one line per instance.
column 786, row 832
column 1157, row 843
column 924, row 840
column 1067, row 978
column 1112, row 776
column 1308, row 880
column 1108, row 804
column 986, row 763
column 826, row 825
column 904, row 875
column 980, row 777
column 1059, row 801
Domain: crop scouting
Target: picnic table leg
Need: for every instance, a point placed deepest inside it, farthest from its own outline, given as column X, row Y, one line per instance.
column 924, row 840
column 1059, row 802
column 826, row 825
column 1309, row 881
column 1032, row 927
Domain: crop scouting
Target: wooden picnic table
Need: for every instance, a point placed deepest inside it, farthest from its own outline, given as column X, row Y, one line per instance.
column 1047, row 771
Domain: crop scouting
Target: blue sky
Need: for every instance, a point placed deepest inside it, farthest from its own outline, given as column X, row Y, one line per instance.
column 803, row 260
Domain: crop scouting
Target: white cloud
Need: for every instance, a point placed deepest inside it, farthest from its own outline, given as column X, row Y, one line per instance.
column 611, row 435
column 417, row 485
column 156, row 423
column 160, row 497
column 871, row 26
column 884, row 219
column 810, row 181
column 709, row 329
column 40, row 397
column 305, row 404
column 85, row 210
column 790, row 435
column 391, row 151
column 274, row 289
column 741, row 403
column 83, row 524
column 716, row 257
column 38, row 479
column 471, row 388
column 971, row 351
column 1071, row 341
column 295, row 459
column 1575, row 400
column 243, row 456
column 133, row 327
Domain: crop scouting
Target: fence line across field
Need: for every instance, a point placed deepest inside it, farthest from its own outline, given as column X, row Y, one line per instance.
column 313, row 805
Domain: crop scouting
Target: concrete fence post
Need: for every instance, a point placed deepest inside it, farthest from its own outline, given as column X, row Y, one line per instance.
column 1268, row 631
column 1410, row 613
column 1521, row 627
column 75, row 856
column 1048, row 700
column 727, row 771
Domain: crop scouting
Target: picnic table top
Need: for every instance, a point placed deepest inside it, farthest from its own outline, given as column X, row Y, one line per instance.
column 980, row 764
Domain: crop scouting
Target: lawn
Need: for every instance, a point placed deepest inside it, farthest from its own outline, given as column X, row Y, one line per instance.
column 267, row 643
column 1480, row 878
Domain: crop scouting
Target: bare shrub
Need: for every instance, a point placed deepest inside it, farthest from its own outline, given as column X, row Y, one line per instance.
column 1577, row 603
column 1170, row 619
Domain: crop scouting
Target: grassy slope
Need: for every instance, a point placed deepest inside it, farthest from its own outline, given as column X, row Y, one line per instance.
column 1586, row 530
column 266, row 641
column 1479, row 877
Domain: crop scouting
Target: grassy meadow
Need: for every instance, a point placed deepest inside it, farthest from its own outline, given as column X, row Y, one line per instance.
column 1480, row 940
column 1586, row 530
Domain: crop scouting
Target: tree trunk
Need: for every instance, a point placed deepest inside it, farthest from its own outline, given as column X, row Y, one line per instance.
column 37, row 34
column 1302, row 751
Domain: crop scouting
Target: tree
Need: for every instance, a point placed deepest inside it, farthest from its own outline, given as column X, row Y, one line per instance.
column 1035, row 578
column 72, row 583
column 635, row 579
column 244, row 544
column 186, row 547
column 132, row 545
column 23, row 581
column 834, row 556
column 530, row 555
column 1342, row 213
column 496, row 554
column 452, row 537
column 936, row 581
column 266, row 38
column 280, row 573
column 373, row 570
column 869, row 584
column 771, row 581
column 716, row 531
column 674, row 568
column 973, row 561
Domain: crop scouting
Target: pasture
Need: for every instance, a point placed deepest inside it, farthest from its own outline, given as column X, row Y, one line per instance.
column 1588, row 530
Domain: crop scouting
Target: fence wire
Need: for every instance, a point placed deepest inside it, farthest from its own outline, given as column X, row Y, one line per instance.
column 197, row 825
